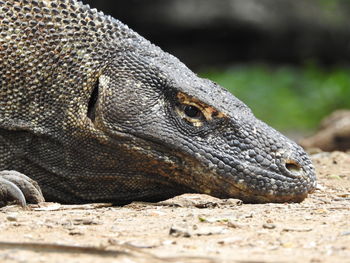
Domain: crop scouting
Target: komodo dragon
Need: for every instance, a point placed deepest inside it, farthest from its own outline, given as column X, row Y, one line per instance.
column 93, row 112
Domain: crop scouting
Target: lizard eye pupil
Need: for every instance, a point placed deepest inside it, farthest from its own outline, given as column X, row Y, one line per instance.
column 192, row 111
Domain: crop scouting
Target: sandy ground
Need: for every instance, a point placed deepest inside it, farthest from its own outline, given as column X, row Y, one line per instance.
column 189, row 228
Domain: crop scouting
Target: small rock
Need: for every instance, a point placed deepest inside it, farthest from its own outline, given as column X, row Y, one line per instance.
column 179, row 231
column 297, row 229
column 199, row 201
column 192, row 200
column 232, row 202
column 269, row 226
column 341, row 199
column 48, row 207
column 84, row 221
column 230, row 240
column 168, row 242
column 213, row 219
column 76, row 233
column 12, row 218
column 233, row 225
column 346, row 233
column 251, row 215
column 308, row 217
column 142, row 244
column 210, row 230
column 320, row 187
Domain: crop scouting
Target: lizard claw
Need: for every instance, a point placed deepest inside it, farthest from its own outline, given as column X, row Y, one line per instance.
column 15, row 186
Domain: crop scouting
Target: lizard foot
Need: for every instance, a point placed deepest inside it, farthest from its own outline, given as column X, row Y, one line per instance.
column 15, row 186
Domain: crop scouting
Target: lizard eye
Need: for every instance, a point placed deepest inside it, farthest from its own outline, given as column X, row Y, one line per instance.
column 192, row 112
column 195, row 112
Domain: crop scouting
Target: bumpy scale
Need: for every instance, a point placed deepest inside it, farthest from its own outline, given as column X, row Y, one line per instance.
column 90, row 111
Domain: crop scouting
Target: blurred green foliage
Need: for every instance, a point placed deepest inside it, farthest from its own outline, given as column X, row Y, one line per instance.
column 287, row 98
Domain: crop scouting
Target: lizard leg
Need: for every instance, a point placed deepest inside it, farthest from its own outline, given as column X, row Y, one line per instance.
column 15, row 186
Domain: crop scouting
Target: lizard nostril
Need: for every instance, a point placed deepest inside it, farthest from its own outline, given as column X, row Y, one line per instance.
column 293, row 167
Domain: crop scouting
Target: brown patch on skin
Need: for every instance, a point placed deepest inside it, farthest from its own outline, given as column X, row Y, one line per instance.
column 208, row 112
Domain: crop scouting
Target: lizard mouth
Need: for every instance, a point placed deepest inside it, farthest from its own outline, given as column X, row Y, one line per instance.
column 254, row 184
column 243, row 180
column 262, row 185
column 272, row 187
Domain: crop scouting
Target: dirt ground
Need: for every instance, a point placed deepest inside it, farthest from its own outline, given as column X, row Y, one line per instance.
column 189, row 228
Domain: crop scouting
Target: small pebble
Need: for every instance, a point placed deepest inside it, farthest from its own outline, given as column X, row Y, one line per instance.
column 12, row 218
column 76, row 233
column 168, row 242
column 269, row 226
column 178, row 231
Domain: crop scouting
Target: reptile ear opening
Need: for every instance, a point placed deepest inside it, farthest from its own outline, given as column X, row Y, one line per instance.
column 92, row 102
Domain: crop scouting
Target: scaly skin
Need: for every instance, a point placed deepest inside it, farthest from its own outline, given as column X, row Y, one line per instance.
column 93, row 112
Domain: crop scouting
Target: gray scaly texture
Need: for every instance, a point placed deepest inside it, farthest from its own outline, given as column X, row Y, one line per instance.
column 90, row 111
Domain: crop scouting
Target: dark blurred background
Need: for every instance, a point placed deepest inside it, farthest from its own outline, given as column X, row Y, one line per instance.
column 287, row 59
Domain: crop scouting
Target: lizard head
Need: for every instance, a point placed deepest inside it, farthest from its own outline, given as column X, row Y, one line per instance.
column 150, row 127
column 192, row 132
